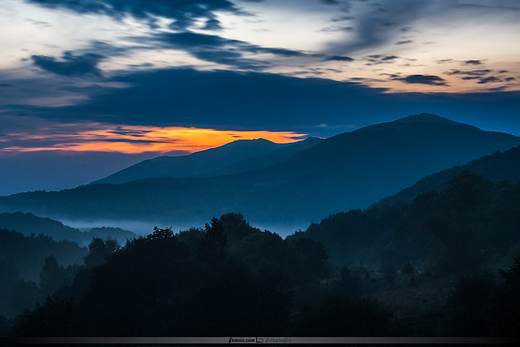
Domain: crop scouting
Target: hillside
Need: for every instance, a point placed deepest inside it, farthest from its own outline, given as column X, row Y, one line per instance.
column 348, row 171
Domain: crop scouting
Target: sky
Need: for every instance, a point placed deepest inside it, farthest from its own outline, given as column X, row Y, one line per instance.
column 90, row 87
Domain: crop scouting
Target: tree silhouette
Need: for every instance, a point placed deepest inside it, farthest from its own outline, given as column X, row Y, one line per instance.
column 212, row 245
column 236, row 228
column 99, row 249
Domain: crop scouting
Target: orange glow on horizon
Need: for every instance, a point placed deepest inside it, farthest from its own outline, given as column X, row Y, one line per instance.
column 140, row 139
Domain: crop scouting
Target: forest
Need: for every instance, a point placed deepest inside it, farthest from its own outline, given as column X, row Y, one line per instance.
column 445, row 264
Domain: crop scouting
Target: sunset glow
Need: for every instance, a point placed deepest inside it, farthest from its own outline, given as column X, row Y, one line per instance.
column 139, row 139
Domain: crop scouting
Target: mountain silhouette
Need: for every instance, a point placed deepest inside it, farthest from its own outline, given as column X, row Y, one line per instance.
column 348, row 171
column 234, row 157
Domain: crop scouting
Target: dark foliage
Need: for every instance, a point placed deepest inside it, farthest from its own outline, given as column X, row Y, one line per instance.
column 133, row 281
column 56, row 317
column 152, row 286
column 459, row 229
column 481, row 306
column 356, row 236
column 212, row 245
column 99, row 250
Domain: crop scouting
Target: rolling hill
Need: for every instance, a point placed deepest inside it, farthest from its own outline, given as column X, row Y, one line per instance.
column 348, row 171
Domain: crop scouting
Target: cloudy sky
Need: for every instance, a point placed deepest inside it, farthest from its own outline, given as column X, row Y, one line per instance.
column 88, row 87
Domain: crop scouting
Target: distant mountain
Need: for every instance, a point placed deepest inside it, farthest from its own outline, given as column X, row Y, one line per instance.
column 348, row 171
column 237, row 156
column 497, row 167
column 27, row 224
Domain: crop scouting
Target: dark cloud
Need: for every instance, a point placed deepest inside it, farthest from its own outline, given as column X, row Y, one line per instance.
column 339, row 58
column 184, row 12
column 70, row 65
column 444, row 61
column 423, row 79
column 219, row 99
column 231, row 58
column 481, row 72
column 472, row 62
column 509, row 79
column 475, row 75
column 403, row 42
column 342, row 18
column 334, row 29
column 380, row 59
column 489, row 79
column 212, row 24
column 497, row 89
column 342, row 4
column 6, row 85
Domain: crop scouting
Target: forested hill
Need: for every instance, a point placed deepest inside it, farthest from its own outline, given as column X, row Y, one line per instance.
column 501, row 166
column 348, row 171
